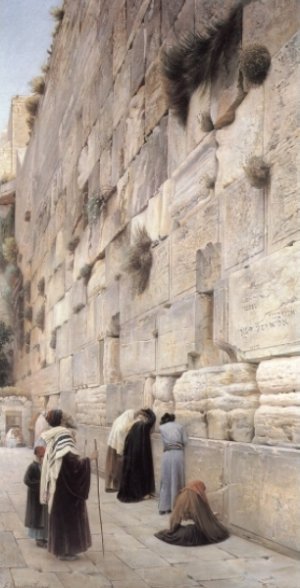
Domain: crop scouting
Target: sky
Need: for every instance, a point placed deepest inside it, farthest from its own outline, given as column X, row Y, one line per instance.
column 25, row 36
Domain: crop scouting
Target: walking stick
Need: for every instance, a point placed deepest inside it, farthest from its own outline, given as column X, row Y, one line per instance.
column 98, row 494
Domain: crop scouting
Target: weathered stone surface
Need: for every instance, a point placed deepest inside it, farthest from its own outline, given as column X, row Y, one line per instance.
column 198, row 228
column 135, row 124
column 149, row 391
column 121, row 94
column 282, row 144
column 56, row 286
column 277, row 421
column 190, row 179
column 119, row 38
column 263, row 307
column 137, row 61
column 97, row 281
column 118, row 152
column 90, row 405
column 256, row 497
column 78, row 324
column 243, row 223
column 181, row 317
column 78, row 295
column 227, row 395
column 65, row 374
column 137, row 346
column 273, row 21
column 240, row 140
column 208, row 267
column 111, row 360
column 163, row 388
column 177, row 141
column 155, row 101
column 165, row 217
column 62, row 311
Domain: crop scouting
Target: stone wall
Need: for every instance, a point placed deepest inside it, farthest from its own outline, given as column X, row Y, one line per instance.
column 215, row 334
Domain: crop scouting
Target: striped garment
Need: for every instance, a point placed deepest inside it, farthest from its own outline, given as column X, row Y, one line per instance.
column 60, row 441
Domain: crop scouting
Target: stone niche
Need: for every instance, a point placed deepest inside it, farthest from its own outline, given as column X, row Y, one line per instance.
column 218, row 402
column 257, row 310
column 15, row 411
column 277, row 420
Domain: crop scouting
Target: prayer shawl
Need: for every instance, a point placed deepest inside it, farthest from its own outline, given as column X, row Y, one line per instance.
column 119, row 430
column 59, row 443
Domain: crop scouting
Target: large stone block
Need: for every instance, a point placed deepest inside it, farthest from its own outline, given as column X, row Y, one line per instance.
column 272, row 21
column 263, row 308
column 62, row 310
column 197, row 229
column 111, row 360
column 208, row 267
column 78, row 333
column 173, row 351
column 155, row 101
column 282, row 145
column 121, row 94
column 135, row 126
column 243, row 223
column 138, row 58
column 240, row 140
column 91, row 405
column 277, row 421
column 119, row 38
column 263, row 482
column 225, row 397
column 191, row 179
column 137, row 346
column 65, row 374
column 78, row 295
column 56, row 286
column 97, row 281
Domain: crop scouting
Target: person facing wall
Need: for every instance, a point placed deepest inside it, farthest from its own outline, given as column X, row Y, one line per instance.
column 172, row 477
column 191, row 504
column 137, row 478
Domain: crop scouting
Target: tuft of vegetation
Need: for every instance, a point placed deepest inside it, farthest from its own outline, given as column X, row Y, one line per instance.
column 85, row 272
column 45, row 68
column 73, row 244
column 6, row 335
column 32, row 104
column 139, row 260
column 10, row 250
column 94, row 206
column 41, row 286
column 40, row 318
column 53, row 339
column 27, row 216
column 194, row 61
column 38, row 85
column 257, row 172
column 78, row 307
column 58, row 13
column 255, row 61
column 207, row 124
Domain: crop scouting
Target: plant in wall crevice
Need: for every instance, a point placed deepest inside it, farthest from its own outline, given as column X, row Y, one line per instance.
column 139, row 260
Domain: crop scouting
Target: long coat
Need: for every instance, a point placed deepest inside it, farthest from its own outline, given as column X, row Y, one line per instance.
column 36, row 513
column 69, row 531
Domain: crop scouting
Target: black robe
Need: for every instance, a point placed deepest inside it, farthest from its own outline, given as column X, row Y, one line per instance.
column 69, row 531
column 137, row 479
column 36, row 513
column 185, row 535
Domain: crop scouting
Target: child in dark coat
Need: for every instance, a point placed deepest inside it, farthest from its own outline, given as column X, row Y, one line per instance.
column 36, row 517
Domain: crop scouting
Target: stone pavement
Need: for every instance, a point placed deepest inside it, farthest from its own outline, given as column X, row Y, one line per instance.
column 134, row 558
